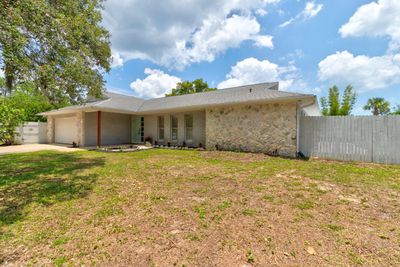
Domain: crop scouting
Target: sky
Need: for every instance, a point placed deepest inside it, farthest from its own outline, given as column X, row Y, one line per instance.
column 307, row 46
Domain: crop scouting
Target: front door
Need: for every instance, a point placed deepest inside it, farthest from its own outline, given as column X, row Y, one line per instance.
column 137, row 129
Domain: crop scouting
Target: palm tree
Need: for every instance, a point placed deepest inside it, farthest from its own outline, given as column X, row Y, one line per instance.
column 378, row 106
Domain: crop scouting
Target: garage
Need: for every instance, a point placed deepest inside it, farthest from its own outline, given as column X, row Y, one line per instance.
column 65, row 130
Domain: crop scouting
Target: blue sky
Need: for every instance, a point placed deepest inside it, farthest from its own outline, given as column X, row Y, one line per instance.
column 306, row 45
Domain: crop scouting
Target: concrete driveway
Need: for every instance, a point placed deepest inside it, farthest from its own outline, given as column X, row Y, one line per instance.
column 34, row 147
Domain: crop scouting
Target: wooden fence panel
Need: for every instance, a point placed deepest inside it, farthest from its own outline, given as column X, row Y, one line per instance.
column 351, row 138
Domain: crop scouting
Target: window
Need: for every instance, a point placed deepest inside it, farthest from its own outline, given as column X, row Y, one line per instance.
column 174, row 128
column 142, row 129
column 189, row 127
column 161, row 128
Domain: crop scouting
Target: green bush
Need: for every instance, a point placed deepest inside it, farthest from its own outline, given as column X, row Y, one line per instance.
column 10, row 119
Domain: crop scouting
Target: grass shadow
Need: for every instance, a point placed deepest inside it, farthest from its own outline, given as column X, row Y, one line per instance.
column 44, row 178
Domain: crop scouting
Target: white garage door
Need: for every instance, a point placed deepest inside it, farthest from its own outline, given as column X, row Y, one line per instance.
column 65, row 130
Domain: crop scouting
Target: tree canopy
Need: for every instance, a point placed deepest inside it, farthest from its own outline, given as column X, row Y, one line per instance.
column 29, row 101
column 59, row 46
column 337, row 106
column 187, row 87
column 396, row 110
column 378, row 106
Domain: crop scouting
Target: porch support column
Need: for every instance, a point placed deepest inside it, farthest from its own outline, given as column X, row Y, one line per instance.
column 50, row 129
column 80, row 126
column 98, row 140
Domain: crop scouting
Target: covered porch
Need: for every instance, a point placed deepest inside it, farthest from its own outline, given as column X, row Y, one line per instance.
column 176, row 129
column 88, row 128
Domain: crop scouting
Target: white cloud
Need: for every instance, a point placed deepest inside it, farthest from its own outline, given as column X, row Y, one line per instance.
column 156, row 84
column 261, row 12
column 280, row 12
column 287, row 23
column 363, row 72
column 376, row 19
column 1, row 73
column 173, row 34
column 215, row 36
column 310, row 10
column 263, row 41
column 296, row 54
column 252, row 70
column 117, row 60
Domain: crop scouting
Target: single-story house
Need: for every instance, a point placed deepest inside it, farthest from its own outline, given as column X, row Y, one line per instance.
column 255, row 118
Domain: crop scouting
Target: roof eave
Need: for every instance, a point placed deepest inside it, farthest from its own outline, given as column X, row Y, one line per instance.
column 198, row 107
column 96, row 107
column 86, row 109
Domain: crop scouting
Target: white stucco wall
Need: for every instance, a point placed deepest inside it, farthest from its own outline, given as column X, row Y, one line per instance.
column 115, row 128
column 90, row 128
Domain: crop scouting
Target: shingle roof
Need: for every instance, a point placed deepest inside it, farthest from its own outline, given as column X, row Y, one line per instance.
column 118, row 101
column 236, row 95
column 112, row 101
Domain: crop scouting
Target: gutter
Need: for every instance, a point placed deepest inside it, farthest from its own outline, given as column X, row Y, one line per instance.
column 158, row 109
column 235, row 103
column 87, row 109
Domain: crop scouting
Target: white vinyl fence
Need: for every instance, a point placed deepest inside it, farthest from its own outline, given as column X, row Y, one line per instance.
column 32, row 133
column 351, row 138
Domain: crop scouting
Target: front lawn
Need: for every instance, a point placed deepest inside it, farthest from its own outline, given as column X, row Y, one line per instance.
column 191, row 208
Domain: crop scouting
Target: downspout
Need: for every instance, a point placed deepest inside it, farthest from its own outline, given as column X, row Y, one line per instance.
column 300, row 106
column 298, row 111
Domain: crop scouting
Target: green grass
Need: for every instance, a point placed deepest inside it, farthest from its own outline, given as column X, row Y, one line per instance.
column 164, row 207
column 305, row 205
column 250, row 257
column 43, row 179
column 335, row 227
column 249, row 212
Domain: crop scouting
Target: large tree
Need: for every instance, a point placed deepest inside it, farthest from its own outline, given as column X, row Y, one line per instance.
column 60, row 46
column 29, row 101
column 187, row 87
column 378, row 106
column 337, row 106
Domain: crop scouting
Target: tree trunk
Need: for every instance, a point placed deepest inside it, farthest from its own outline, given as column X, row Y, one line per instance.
column 9, row 79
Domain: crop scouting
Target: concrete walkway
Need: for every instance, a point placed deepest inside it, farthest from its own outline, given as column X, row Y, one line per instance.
column 34, row 147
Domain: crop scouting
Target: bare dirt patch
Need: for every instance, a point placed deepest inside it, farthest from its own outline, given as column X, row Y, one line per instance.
column 190, row 208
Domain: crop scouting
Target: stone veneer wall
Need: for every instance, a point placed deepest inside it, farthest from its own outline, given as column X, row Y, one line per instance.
column 50, row 129
column 268, row 128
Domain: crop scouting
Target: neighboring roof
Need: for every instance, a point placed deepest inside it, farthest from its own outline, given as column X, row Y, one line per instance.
column 264, row 92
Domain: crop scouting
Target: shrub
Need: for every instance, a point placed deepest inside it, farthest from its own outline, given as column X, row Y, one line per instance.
column 10, row 119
